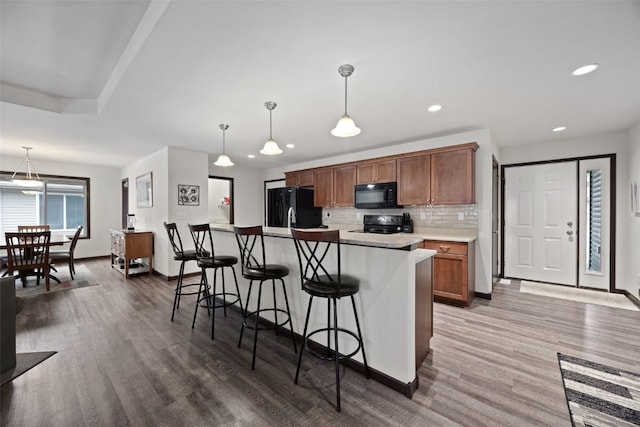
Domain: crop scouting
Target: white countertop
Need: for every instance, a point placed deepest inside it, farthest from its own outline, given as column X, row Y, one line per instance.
column 390, row 241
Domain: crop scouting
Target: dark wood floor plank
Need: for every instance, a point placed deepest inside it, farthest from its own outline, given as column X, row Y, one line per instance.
column 121, row 361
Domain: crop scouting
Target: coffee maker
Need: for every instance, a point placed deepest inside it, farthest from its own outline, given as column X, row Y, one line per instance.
column 407, row 223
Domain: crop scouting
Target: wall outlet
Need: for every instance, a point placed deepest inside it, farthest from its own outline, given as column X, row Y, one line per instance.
column 422, row 215
column 460, row 216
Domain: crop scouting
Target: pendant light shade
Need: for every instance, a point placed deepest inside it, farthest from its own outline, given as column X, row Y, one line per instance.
column 270, row 147
column 223, row 159
column 30, row 178
column 345, row 127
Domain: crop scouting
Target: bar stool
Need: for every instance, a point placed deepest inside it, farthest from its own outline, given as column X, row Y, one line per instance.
column 254, row 270
column 202, row 237
column 312, row 248
column 179, row 254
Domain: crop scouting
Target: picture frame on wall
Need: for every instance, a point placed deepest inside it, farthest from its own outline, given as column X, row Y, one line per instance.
column 188, row 195
column 144, row 190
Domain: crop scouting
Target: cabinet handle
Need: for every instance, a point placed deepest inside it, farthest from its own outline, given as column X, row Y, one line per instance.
column 444, row 248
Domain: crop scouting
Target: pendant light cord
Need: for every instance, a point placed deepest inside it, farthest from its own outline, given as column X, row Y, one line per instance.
column 270, row 127
column 345, row 95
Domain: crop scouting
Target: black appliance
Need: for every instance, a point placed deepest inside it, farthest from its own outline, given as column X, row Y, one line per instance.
column 382, row 224
column 407, row 223
column 376, row 196
column 292, row 206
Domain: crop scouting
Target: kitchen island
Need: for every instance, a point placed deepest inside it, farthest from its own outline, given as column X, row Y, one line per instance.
column 395, row 301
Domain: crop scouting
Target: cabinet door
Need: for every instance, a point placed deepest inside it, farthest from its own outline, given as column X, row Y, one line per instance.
column 344, row 179
column 299, row 179
column 452, row 177
column 323, row 188
column 450, row 276
column 370, row 172
column 386, row 171
column 414, row 180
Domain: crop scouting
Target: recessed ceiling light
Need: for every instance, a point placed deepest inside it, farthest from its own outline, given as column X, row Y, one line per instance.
column 290, row 145
column 435, row 108
column 559, row 128
column 585, row 69
column 251, row 156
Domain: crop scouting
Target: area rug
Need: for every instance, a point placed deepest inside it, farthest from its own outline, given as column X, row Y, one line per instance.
column 24, row 362
column 599, row 395
column 82, row 279
column 580, row 295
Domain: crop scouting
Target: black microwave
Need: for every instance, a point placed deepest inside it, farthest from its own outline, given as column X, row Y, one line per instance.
column 376, row 196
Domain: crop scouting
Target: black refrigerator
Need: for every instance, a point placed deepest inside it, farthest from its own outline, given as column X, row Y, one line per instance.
column 304, row 214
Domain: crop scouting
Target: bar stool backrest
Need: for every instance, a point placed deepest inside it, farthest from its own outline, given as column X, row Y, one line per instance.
column 174, row 238
column 312, row 248
column 247, row 237
column 202, row 237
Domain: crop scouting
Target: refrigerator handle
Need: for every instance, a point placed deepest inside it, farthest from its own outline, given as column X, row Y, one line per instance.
column 291, row 217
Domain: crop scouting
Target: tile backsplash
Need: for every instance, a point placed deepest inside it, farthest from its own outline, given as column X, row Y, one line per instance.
column 436, row 216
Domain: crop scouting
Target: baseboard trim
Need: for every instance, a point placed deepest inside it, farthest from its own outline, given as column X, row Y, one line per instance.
column 194, row 274
column 407, row 389
column 482, row 295
column 629, row 295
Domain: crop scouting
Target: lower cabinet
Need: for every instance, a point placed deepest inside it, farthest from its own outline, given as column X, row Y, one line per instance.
column 132, row 251
column 453, row 271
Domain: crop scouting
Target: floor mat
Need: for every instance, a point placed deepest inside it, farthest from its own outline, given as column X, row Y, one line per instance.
column 580, row 295
column 24, row 362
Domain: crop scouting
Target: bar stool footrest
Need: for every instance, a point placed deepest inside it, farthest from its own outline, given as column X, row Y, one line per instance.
column 179, row 291
column 223, row 296
column 331, row 351
column 251, row 314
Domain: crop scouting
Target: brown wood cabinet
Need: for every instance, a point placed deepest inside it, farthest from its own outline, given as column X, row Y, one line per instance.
column 334, row 186
column 441, row 178
column 302, row 178
column 128, row 246
column 453, row 271
column 376, row 171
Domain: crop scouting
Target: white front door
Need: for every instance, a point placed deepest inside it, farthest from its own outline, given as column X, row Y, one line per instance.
column 540, row 222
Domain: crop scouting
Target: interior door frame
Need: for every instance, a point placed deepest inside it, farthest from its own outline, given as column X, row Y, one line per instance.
column 231, row 195
column 612, row 224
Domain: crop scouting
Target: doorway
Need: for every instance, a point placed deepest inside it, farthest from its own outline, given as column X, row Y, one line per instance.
column 125, row 201
column 558, row 225
column 221, row 198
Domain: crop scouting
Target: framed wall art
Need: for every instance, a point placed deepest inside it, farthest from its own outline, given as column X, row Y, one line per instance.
column 144, row 190
column 188, row 195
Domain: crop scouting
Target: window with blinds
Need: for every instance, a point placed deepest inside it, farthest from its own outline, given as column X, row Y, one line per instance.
column 61, row 202
column 594, row 220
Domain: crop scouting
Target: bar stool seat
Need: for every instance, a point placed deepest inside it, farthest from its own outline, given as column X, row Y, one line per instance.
column 249, row 240
column 184, row 256
column 207, row 259
column 312, row 248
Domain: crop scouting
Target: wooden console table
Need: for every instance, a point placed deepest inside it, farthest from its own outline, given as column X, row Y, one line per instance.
column 130, row 245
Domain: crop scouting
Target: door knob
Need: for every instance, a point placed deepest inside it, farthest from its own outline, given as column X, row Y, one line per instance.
column 569, row 232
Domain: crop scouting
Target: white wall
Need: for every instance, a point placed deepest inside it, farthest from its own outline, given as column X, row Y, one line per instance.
column 631, row 266
column 170, row 166
column 611, row 143
column 104, row 199
column 248, row 184
column 482, row 181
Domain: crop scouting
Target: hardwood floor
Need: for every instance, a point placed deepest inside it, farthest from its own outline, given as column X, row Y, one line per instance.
column 121, row 361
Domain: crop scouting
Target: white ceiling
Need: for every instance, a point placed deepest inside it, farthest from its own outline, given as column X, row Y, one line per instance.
column 107, row 82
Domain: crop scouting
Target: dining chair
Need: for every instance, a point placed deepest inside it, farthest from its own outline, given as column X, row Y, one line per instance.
column 66, row 255
column 28, row 252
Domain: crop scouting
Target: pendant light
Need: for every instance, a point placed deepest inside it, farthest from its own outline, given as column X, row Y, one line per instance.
column 31, row 177
column 270, row 147
column 345, row 127
column 223, row 160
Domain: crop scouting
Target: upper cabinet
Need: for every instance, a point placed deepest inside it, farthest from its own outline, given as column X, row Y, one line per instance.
column 376, row 171
column 299, row 178
column 414, row 180
column 334, row 186
column 440, row 176
column 443, row 177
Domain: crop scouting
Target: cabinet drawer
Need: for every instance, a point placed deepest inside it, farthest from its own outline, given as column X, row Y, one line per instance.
column 442, row 247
